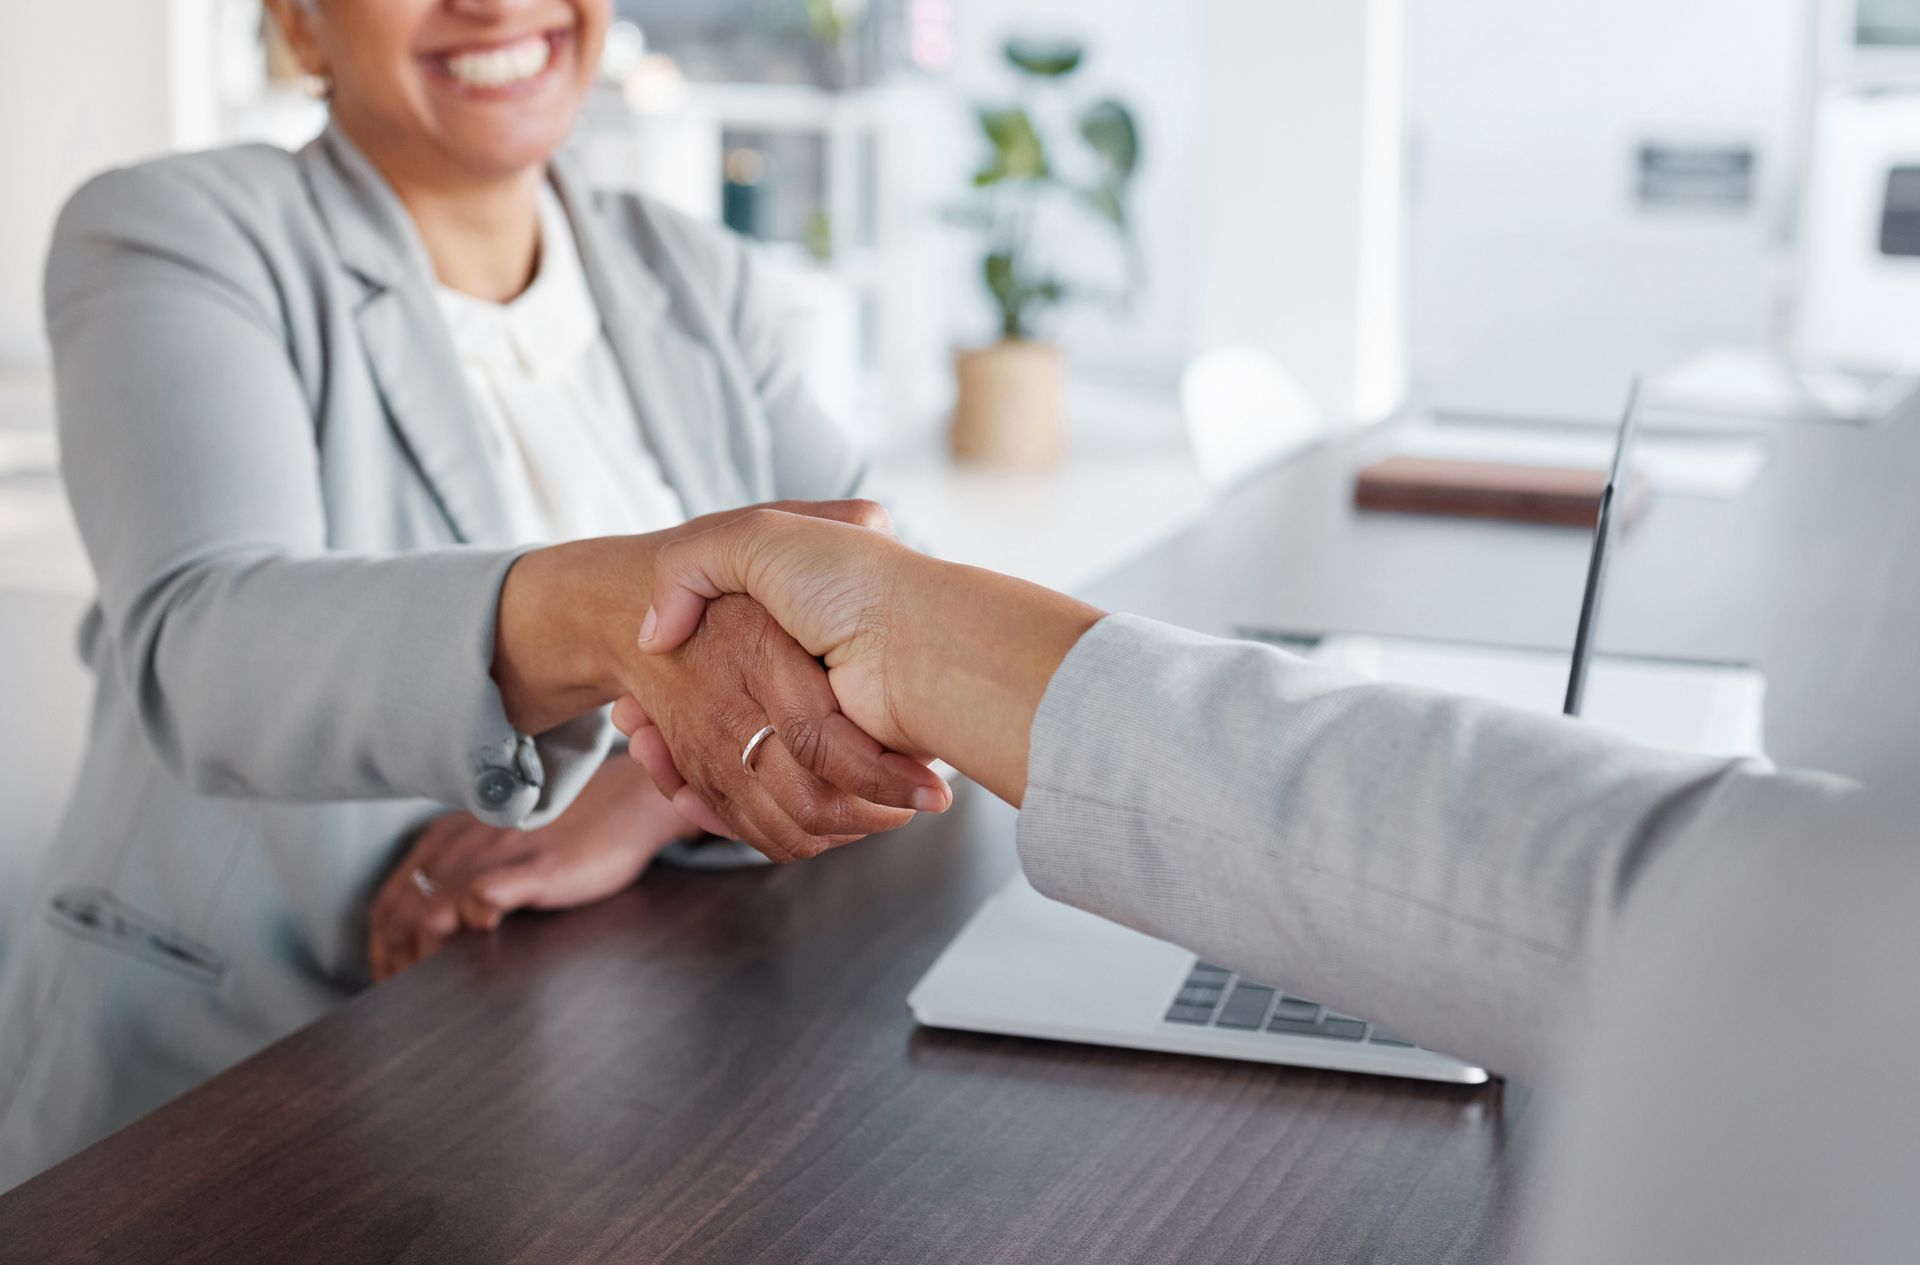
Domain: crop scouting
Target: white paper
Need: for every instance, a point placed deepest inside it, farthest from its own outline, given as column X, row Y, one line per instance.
column 1732, row 381
column 1704, row 708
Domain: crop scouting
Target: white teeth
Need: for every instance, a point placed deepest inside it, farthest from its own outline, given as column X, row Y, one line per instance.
column 498, row 67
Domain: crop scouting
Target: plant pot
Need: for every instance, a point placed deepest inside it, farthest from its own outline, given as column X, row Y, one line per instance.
column 1011, row 406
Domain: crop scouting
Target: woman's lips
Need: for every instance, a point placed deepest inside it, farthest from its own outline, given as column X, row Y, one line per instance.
column 499, row 69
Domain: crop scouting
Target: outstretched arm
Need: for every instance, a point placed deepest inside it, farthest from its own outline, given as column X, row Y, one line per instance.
column 1447, row 867
column 263, row 661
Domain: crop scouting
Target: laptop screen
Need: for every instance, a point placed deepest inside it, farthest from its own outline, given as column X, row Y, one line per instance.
column 1597, row 565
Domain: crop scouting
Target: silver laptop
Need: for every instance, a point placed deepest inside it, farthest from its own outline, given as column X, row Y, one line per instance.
column 1031, row 967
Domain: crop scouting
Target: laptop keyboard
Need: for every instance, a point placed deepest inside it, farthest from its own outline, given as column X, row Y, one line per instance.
column 1215, row 997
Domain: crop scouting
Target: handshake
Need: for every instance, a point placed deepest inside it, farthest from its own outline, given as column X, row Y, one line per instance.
column 795, row 667
column 757, row 695
column 783, row 675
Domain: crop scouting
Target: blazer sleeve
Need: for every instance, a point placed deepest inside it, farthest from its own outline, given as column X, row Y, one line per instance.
column 260, row 664
column 1449, row 868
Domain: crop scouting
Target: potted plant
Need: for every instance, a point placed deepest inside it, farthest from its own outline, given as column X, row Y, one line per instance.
column 1010, row 406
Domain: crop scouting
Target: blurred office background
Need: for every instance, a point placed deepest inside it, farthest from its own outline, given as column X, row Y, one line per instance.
column 1337, row 211
column 1574, row 192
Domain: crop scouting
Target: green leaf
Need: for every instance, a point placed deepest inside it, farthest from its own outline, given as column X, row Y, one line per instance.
column 825, row 22
column 1108, row 128
column 1045, row 59
column 1105, row 200
column 1003, row 284
column 818, row 238
column 1000, row 277
column 1015, row 295
column 1018, row 153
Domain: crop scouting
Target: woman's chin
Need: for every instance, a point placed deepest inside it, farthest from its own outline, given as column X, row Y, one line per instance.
column 503, row 150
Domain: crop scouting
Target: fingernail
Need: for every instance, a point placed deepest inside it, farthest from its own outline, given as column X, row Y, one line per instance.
column 648, row 625
column 928, row 800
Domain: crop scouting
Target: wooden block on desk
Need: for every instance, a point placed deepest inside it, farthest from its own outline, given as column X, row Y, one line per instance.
column 1482, row 489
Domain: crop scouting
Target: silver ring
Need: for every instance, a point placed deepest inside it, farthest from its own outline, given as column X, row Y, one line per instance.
column 424, row 885
column 746, row 757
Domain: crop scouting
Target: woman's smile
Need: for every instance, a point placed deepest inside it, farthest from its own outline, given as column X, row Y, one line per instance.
column 452, row 94
column 511, row 69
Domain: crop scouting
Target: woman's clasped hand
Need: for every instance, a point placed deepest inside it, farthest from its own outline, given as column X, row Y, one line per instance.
column 818, row 780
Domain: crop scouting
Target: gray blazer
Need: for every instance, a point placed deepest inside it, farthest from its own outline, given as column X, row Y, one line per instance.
column 275, row 465
column 1712, row 959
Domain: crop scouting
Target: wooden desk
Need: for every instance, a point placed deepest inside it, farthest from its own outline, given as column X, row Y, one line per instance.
column 721, row 1067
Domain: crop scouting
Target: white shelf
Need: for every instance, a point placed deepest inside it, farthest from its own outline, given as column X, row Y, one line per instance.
column 788, row 107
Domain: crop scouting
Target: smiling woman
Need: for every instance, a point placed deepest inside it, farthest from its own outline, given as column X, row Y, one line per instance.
column 459, row 105
column 372, row 446
column 418, row 73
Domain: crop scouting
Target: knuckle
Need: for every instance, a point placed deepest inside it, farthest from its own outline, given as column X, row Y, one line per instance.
column 672, row 557
column 805, row 740
column 820, row 814
column 793, row 832
column 761, row 519
column 784, row 847
column 874, row 782
column 872, row 515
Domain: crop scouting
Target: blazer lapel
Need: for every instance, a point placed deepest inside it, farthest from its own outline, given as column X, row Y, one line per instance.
column 673, row 379
column 407, row 342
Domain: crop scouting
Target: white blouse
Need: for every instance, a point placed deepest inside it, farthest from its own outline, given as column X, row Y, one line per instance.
column 560, row 427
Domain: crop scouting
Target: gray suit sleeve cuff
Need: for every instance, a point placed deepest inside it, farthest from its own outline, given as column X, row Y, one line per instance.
column 510, row 779
column 1086, row 757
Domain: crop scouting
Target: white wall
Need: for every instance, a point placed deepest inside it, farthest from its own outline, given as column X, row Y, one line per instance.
column 1148, row 53
column 1538, row 283
column 1302, row 199
column 84, row 85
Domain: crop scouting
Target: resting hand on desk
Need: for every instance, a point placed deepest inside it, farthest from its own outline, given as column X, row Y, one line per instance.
column 925, row 656
column 464, row 875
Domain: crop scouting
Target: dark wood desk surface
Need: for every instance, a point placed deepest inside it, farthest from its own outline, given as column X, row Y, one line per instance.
column 721, row 1067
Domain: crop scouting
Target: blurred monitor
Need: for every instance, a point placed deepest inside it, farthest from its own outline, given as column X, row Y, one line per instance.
column 1595, row 190
column 1887, row 24
column 1859, row 302
column 1874, row 43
